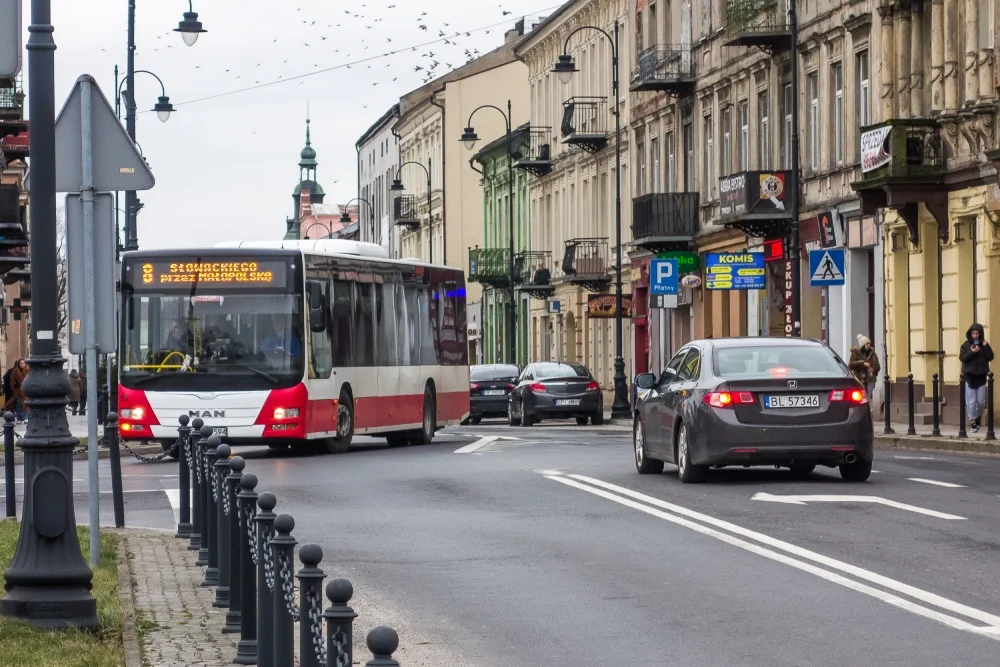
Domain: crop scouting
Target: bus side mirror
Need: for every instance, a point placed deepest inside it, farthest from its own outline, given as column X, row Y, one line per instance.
column 314, row 294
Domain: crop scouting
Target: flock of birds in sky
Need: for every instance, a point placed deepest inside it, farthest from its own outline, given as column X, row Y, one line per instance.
column 360, row 39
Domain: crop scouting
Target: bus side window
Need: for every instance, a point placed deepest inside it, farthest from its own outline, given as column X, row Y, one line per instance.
column 386, row 328
column 340, row 329
column 320, row 342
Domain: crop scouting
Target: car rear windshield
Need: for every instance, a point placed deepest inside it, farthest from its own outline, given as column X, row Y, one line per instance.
column 777, row 361
column 548, row 371
column 484, row 373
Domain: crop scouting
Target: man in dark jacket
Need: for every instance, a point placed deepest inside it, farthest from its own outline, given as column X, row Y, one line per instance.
column 976, row 355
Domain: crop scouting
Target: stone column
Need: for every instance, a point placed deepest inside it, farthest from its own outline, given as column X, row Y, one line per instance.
column 903, row 58
column 937, row 55
column 971, row 51
column 950, row 55
column 887, row 108
column 917, row 59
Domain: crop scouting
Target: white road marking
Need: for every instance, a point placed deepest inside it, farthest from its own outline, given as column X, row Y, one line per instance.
column 992, row 629
column 936, row 483
column 802, row 500
column 174, row 498
column 477, row 445
column 915, row 458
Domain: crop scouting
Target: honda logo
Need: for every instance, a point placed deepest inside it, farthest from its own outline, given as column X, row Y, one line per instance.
column 792, row 384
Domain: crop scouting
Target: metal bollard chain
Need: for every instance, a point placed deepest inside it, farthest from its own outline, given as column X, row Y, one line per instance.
column 213, row 477
column 144, row 459
column 315, row 614
column 227, row 500
column 288, row 585
column 248, row 514
column 189, row 457
column 339, row 640
column 268, row 558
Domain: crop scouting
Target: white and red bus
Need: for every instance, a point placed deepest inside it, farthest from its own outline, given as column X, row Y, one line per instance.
column 291, row 341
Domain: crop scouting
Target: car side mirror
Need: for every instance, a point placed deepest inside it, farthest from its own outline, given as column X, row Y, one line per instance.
column 645, row 381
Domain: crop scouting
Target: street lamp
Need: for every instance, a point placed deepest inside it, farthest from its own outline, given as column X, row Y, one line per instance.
column 397, row 189
column 190, row 27
column 345, row 218
column 329, row 232
column 469, row 138
column 564, row 68
column 163, row 107
column 48, row 581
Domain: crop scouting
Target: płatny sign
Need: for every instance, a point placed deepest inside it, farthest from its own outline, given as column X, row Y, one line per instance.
column 873, row 148
column 735, row 270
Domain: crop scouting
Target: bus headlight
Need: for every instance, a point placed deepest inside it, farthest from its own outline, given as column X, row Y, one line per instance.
column 133, row 413
column 286, row 413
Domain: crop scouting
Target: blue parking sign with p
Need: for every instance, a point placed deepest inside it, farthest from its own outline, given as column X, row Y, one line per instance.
column 663, row 278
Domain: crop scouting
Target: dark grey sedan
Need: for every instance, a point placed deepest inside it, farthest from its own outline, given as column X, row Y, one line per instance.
column 753, row 401
column 559, row 390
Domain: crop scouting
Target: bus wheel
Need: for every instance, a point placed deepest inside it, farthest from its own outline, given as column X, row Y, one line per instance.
column 345, row 426
column 428, row 425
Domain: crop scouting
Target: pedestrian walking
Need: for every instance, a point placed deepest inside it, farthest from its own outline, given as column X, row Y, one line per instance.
column 15, row 400
column 976, row 355
column 75, row 391
column 864, row 363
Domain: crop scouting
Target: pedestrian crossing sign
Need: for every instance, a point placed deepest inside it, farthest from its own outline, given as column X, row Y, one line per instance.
column 826, row 267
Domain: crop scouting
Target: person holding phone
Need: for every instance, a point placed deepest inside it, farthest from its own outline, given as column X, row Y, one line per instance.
column 976, row 355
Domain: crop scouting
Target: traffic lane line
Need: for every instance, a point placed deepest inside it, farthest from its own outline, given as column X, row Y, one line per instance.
column 935, row 482
column 676, row 514
column 477, row 445
column 846, row 499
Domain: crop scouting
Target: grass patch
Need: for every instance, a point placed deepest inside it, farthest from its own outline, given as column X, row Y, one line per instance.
column 24, row 646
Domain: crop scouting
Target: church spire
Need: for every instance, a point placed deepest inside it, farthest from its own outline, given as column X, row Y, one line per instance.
column 307, row 161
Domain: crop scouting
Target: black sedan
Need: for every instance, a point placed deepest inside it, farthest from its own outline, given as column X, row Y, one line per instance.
column 549, row 390
column 753, row 401
column 489, row 387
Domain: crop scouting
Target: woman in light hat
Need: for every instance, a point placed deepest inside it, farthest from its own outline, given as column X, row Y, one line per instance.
column 864, row 363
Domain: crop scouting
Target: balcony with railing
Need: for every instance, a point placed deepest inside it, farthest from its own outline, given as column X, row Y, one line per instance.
column 668, row 68
column 490, row 266
column 534, row 272
column 406, row 211
column 533, row 150
column 760, row 23
column 11, row 100
column 13, row 235
column 665, row 221
column 585, row 123
column 585, row 263
column 902, row 164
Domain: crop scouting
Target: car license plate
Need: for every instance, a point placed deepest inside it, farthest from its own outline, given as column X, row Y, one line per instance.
column 220, row 431
column 568, row 401
column 493, row 392
column 801, row 401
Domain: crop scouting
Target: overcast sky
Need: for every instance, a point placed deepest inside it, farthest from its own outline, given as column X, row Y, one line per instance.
column 226, row 164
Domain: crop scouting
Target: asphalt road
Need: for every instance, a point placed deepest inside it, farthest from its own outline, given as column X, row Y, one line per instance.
column 543, row 546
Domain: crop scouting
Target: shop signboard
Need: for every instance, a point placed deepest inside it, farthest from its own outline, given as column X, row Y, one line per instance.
column 602, row 306
column 735, row 271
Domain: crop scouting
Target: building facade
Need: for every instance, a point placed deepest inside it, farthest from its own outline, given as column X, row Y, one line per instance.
column 572, row 191
column 378, row 163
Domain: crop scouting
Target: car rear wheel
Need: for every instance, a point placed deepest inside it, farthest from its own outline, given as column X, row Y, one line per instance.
column 687, row 472
column 581, row 421
column 526, row 418
column 597, row 418
column 859, row 471
column 643, row 465
column 511, row 419
column 475, row 420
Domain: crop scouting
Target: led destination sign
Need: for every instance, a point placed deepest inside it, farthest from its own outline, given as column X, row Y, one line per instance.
column 222, row 273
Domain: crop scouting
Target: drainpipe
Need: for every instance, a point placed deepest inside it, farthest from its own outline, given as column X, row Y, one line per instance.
column 444, row 164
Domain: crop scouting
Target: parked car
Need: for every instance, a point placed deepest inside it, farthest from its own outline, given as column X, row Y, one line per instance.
column 753, row 401
column 489, row 387
column 548, row 390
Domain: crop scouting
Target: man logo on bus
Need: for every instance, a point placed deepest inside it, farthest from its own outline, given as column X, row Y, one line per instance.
column 206, row 413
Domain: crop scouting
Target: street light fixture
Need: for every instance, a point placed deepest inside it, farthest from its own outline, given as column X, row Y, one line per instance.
column 329, row 232
column 163, row 107
column 565, row 67
column 190, row 27
column 469, row 138
column 345, row 218
column 397, row 188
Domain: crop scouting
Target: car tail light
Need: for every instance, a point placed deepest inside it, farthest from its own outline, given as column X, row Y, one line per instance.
column 537, row 387
column 473, row 385
column 852, row 396
column 135, row 416
column 727, row 399
column 593, row 386
column 509, row 386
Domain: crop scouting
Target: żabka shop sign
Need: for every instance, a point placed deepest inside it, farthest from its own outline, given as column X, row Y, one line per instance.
column 873, row 148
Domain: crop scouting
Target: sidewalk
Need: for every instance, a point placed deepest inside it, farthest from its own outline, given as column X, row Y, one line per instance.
column 947, row 441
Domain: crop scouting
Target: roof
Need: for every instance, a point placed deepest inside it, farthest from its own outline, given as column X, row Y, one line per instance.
column 377, row 125
column 760, row 341
column 313, row 187
column 525, row 41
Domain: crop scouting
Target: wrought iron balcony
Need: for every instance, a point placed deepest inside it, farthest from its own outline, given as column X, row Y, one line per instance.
column 13, row 234
column 11, row 100
column 760, row 23
column 668, row 68
column 585, row 263
column 406, row 211
column 534, row 271
column 533, row 151
column 585, row 123
column 756, row 202
column 490, row 266
column 667, row 221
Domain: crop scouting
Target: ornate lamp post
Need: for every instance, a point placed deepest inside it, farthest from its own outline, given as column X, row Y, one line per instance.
column 397, row 188
column 345, row 218
column 329, row 232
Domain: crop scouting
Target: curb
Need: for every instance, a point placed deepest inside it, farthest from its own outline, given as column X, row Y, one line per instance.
column 958, row 445
column 102, row 453
column 130, row 636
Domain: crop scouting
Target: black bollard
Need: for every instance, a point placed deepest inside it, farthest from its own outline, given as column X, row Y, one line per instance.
column 115, row 459
column 232, row 490
column 184, row 527
column 339, row 623
column 911, row 430
column 222, row 504
column 194, row 473
column 204, row 433
column 961, row 406
column 990, row 433
column 246, row 648
column 285, row 612
column 211, row 536
column 936, row 424
column 9, row 478
column 382, row 642
column 264, row 521
column 888, row 406
column 312, row 648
